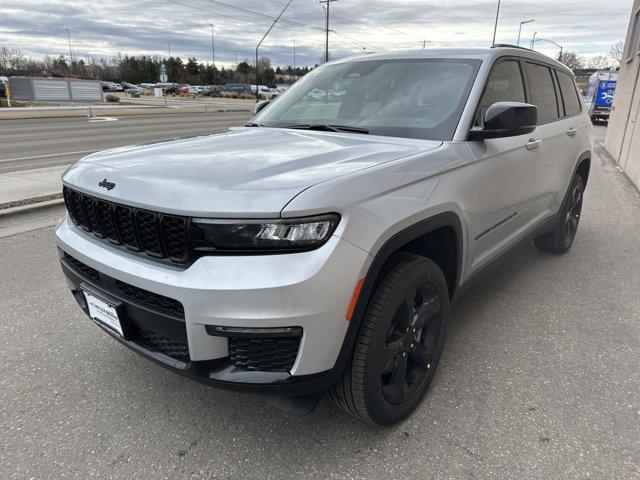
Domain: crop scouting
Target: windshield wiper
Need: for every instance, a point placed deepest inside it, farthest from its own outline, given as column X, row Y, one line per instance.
column 252, row 124
column 329, row 128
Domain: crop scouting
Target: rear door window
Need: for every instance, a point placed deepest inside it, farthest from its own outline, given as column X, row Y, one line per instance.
column 542, row 92
column 505, row 84
column 569, row 94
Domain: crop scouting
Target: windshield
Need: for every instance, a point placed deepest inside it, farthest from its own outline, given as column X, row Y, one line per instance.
column 414, row 98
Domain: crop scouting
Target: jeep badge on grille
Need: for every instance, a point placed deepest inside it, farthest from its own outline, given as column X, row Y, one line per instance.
column 106, row 184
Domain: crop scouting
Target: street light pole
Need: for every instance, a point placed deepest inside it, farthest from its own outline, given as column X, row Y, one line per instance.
column 524, row 22
column 533, row 40
column 213, row 54
column 73, row 63
column 539, row 39
column 260, row 43
column 326, row 45
column 495, row 28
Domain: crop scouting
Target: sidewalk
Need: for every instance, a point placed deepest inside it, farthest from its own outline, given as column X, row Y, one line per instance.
column 30, row 186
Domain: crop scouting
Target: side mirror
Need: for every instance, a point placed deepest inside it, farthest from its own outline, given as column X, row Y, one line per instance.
column 258, row 107
column 506, row 119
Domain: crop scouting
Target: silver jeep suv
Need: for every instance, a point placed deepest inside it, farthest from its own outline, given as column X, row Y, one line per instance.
column 318, row 248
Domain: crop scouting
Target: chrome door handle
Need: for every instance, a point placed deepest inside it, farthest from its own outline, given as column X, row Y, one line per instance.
column 572, row 132
column 533, row 144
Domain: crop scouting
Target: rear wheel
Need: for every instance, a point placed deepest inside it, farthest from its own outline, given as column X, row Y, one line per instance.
column 560, row 239
column 399, row 345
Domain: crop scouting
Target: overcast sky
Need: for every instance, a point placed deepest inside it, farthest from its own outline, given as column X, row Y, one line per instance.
column 104, row 28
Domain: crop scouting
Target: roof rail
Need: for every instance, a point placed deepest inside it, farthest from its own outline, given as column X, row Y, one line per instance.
column 508, row 45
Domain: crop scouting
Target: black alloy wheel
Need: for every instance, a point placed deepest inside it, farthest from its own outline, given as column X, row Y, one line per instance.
column 411, row 343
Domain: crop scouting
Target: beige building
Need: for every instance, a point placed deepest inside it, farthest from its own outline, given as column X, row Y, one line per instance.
column 622, row 139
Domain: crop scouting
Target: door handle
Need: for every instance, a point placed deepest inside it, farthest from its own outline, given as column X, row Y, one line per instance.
column 572, row 132
column 533, row 144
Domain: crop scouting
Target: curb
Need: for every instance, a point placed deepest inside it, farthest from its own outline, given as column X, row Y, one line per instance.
column 151, row 110
column 30, row 205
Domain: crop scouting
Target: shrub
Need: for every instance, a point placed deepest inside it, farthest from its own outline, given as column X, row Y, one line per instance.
column 112, row 99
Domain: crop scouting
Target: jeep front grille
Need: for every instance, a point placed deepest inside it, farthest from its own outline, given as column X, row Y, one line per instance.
column 156, row 235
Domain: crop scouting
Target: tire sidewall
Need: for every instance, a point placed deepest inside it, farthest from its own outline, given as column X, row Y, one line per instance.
column 566, row 243
column 422, row 271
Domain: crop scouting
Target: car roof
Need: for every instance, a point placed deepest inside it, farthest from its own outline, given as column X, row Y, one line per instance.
column 488, row 54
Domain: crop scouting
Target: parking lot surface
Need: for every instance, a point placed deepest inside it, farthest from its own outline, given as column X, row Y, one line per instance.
column 539, row 380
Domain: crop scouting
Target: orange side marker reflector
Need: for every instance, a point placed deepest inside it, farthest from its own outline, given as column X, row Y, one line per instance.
column 354, row 299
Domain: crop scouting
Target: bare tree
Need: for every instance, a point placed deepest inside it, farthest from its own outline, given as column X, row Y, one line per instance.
column 616, row 51
column 600, row 62
column 11, row 60
column 572, row 60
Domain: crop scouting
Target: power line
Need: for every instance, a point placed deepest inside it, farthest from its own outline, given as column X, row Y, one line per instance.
column 351, row 39
column 263, row 15
column 373, row 22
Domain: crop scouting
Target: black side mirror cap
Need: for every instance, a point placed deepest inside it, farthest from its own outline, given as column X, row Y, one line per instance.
column 506, row 119
column 258, row 107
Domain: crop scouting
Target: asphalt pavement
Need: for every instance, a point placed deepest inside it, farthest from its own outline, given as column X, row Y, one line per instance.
column 37, row 143
column 539, row 380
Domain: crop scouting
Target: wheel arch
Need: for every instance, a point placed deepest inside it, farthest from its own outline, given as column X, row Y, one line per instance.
column 416, row 238
column 583, row 166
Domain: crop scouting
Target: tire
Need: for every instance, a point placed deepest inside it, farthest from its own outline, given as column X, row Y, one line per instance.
column 399, row 345
column 560, row 239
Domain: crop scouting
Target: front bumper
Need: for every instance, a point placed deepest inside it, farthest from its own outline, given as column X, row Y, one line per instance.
column 308, row 291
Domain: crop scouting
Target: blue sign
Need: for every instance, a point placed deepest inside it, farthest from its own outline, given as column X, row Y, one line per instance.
column 604, row 96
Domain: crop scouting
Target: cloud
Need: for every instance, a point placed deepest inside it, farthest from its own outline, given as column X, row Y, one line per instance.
column 102, row 29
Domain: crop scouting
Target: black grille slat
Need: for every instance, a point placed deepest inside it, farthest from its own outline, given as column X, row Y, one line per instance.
column 125, row 227
column 148, row 233
column 89, row 212
column 174, row 235
column 104, row 216
column 264, row 354
column 150, row 299
column 154, row 234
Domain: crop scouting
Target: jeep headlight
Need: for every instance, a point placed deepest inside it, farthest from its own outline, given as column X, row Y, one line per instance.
column 268, row 235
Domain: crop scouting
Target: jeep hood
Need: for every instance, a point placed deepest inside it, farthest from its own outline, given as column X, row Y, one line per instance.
column 247, row 172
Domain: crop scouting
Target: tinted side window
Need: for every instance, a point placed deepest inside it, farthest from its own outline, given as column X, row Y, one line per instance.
column 569, row 94
column 505, row 84
column 543, row 95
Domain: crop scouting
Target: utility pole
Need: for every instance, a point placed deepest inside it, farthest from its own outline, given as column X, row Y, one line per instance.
column 524, row 22
column 533, row 40
column 213, row 54
column 294, row 56
column 495, row 28
column 73, row 63
column 326, row 45
column 260, row 43
column 169, row 46
column 424, row 43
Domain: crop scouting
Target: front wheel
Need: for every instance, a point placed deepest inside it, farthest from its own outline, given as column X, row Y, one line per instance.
column 399, row 344
column 560, row 239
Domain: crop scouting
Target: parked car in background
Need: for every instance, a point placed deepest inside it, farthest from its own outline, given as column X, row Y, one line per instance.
column 126, row 86
column 237, row 88
column 133, row 91
column 109, row 87
column 318, row 248
column 196, row 89
column 600, row 92
column 183, row 89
